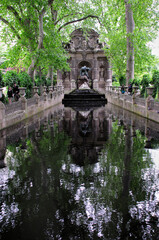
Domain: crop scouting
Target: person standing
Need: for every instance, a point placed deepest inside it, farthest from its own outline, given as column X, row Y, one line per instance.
column 130, row 89
column 16, row 92
column 10, row 95
column 122, row 89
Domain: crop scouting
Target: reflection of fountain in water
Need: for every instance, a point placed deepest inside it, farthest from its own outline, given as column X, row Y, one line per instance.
column 88, row 134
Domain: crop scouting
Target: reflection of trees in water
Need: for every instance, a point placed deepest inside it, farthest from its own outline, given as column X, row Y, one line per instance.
column 54, row 199
column 125, row 164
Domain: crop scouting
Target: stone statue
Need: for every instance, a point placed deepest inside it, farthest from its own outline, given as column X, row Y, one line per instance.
column 84, row 71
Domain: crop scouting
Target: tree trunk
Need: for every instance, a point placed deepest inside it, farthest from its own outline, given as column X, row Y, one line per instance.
column 130, row 26
column 41, row 31
column 50, row 75
column 31, row 70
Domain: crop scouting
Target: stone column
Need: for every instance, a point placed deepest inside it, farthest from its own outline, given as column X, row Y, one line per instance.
column 109, row 75
column 95, row 74
column 35, row 90
column 134, row 95
column 37, row 99
column 45, row 96
column 24, row 103
column 95, row 84
column 73, row 75
column 22, row 98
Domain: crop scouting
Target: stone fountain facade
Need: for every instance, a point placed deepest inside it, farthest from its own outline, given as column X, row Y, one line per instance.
column 86, row 51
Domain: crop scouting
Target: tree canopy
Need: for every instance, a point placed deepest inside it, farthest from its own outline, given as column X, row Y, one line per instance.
column 35, row 30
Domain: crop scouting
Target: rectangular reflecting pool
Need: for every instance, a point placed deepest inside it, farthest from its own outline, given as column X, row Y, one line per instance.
column 80, row 174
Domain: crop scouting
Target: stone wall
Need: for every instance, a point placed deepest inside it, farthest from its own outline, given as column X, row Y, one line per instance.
column 22, row 129
column 147, row 107
column 11, row 114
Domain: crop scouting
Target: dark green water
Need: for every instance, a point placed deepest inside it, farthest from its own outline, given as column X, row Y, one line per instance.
column 81, row 175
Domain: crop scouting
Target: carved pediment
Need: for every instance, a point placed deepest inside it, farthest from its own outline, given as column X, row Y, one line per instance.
column 80, row 41
column 79, row 32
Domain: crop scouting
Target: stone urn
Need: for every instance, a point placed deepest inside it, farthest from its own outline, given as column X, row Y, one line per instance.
column 44, row 89
column 50, row 88
column 150, row 90
column 35, row 90
column 136, row 89
column 22, row 91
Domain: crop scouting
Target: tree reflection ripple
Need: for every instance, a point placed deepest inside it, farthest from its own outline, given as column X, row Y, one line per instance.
column 83, row 175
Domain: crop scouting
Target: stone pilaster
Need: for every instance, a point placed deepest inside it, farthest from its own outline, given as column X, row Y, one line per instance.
column 95, row 69
column 109, row 75
column 59, row 76
column 150, row 100
column 73, row 74
column 95, row 74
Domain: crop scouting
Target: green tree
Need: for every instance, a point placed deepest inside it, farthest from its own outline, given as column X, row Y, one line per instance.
column 25, row 81
column 10, row 77
column 155, row 81
column 128, row 47
column 37, row 31
column 146, row 79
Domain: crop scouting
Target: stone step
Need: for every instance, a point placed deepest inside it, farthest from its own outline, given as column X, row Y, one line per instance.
column 92, row 102
column 85, row 96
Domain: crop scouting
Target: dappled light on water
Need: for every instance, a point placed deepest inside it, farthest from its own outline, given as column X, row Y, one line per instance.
column 52, row 190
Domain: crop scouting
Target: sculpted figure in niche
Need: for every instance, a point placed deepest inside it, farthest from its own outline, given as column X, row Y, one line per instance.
column 67, row 75
column 101, row 72
column 84, row 71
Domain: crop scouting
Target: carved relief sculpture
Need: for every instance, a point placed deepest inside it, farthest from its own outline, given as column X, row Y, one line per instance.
column 92, row 43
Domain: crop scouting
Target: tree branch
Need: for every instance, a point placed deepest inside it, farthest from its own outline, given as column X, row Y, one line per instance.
column 50, row 2
column 65, row 17
column 13, row 29
column 41, row 31
column 54, row 14
column 21, row 11
column 78, row 20
column 10, row 8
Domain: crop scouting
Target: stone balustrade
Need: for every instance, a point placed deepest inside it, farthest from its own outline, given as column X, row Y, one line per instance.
column 25, row 108
column 18, row 111
column 145, row 107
